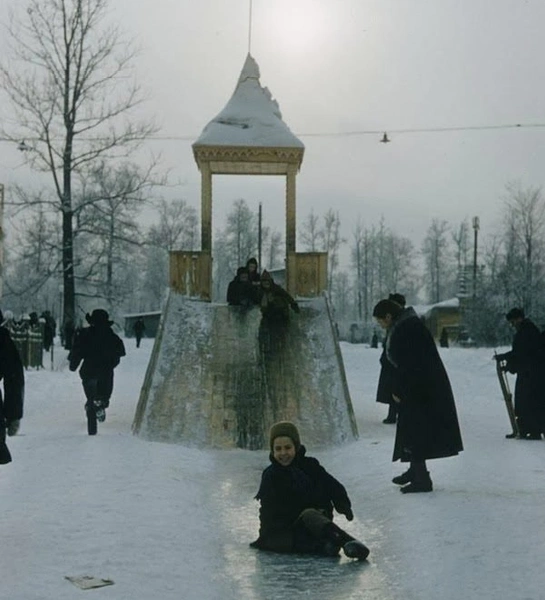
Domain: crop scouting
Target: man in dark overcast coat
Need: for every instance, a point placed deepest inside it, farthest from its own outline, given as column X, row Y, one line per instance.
column 527, row 360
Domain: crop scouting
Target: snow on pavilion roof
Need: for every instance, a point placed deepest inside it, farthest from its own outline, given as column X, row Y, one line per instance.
column 250, row 118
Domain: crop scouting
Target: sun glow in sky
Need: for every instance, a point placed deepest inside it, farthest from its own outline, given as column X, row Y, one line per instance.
column 297, row 26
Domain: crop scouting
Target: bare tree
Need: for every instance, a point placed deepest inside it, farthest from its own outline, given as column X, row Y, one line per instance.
column 34, row 256
column 234, row 245
column 525, row 225
column 460, row 237
column 273, row 248
column 69, row 81
column 107, row 220
column 435, row 252
column 311, row 234
column 177, row 228
column 332, row 243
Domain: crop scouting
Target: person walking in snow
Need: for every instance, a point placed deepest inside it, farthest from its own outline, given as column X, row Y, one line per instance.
column 427, row 424
column 297, row 497
column 527, row 359
column 99, row 350
column 138, row 329
column 12, row 374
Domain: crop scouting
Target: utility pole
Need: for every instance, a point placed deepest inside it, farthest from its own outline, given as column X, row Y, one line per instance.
column 476, row 234
column 259, row 240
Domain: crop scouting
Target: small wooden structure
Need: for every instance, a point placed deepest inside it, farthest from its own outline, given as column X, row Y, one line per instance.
column 248, row 137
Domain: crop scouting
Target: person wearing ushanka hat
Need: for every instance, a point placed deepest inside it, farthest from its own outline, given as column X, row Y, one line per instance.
column 297, row 497
column 99, row 350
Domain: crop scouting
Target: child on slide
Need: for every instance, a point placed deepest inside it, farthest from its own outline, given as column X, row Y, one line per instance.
column 297, row 497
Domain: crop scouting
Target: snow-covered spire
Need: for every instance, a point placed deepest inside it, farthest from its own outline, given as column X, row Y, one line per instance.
column 252, row 116
column 250, row 70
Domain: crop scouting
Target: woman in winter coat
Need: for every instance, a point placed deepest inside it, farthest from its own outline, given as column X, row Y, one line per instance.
column 297, row 497
column 427, row 425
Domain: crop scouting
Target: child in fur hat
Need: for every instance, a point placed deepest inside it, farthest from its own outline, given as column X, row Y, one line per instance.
column 297, row 497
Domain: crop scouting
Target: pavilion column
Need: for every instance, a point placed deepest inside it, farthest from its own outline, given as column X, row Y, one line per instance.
column 290, row 208
column 206, row 208
column 290, row 229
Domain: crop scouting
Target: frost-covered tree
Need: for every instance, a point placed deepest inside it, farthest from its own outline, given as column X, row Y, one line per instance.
column 439, row 275
column 69, row 83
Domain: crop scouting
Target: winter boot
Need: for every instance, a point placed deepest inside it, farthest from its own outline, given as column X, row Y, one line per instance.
column 336, row 538
column 100, row 411
column 404, row 478
column 422, row 483
column 355, row 549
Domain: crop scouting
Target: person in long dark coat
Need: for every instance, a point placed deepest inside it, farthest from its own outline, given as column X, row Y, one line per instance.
column 527, row 360
column 427, row 425
column 297, row 496
column 139, row 327
column 11, row 403
column 99, row 350
column 384, row 388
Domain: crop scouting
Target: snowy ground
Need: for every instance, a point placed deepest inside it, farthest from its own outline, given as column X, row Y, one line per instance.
column 167, row 522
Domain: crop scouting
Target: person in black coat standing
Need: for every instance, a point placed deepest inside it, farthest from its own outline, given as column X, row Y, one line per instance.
column 384, row 391
column 527, row 360
column 11, row 404
column 297, row 497
column 427, row 425
column 99, row 350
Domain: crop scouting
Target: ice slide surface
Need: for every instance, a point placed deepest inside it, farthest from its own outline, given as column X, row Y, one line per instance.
column 219, row 377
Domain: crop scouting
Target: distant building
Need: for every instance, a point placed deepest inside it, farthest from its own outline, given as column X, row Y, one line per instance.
column 443, row 315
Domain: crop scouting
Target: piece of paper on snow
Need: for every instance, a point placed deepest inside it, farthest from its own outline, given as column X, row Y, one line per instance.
column 87, row 582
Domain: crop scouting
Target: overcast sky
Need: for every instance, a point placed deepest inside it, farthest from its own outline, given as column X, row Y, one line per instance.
column 345, row 66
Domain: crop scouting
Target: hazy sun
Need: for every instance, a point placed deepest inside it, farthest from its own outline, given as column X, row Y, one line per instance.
column 295, row 25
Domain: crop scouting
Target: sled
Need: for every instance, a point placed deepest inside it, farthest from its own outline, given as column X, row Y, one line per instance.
column 507, row 397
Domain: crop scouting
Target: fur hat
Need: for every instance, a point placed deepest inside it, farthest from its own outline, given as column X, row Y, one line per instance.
column 399, row 298
column 98, row 317
column 515, row 313
column 285, row 428
column 387, row 306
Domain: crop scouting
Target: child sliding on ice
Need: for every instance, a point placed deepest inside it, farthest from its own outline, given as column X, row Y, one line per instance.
column 297, row 497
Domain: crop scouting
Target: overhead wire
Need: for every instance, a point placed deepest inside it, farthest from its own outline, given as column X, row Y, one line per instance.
column 349, row 133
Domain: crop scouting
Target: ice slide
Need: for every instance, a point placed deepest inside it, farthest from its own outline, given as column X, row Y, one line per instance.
column 218, row 377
